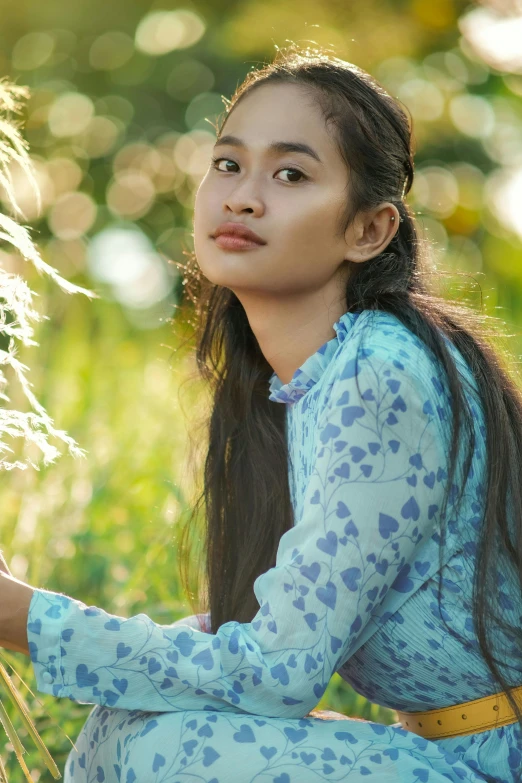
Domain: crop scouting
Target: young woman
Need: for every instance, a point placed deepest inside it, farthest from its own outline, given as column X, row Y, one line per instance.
column 363, row 445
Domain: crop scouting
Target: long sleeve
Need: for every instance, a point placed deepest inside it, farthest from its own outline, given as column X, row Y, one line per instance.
column 365, row 541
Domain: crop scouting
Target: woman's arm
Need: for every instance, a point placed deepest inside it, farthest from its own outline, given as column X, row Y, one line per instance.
column 366, row 540
column 15, row 598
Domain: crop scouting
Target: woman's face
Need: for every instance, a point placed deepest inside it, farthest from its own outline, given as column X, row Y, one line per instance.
column 291, row 199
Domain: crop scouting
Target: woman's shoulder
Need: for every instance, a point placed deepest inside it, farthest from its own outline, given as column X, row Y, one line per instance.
column 378, row 341
column 382, row 354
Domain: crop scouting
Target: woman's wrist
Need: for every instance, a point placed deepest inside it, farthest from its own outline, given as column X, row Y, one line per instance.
column 15, row 599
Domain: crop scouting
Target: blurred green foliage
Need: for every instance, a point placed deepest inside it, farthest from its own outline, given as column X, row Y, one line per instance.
column 124, row 96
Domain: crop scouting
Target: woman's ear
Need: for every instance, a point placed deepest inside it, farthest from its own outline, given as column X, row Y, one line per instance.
column 372, row 232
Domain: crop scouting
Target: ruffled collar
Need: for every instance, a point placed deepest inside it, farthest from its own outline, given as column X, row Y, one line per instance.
column 313, row 368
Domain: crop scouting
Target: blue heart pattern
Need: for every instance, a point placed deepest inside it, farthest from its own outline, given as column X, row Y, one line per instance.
column 369, row 470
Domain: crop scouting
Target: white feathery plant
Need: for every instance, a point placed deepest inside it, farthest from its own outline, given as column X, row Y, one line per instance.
column 16, row 318
column 16, row 297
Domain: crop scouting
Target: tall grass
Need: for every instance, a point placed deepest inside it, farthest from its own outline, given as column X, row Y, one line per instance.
column 34, row 428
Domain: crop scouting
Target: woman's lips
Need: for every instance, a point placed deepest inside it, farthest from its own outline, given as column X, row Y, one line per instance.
column 232, row 242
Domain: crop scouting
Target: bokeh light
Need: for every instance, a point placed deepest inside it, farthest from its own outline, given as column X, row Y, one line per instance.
column 138, row 156
column 423, row 98
column 472, row 115
column 504, row 144
column 111, row 50
column 124, row 257
column 504, row 194
column 70, row 114
column 436, row 188
column 32, row 50
column 193, row 151
column 117, row 106
column 72, row 215
column 130, row 194
column 188, row 79
column 203, row 110
column 161, row 32
column 67, row 255
column 66, row 174
column 470, row 183
column 495, row 37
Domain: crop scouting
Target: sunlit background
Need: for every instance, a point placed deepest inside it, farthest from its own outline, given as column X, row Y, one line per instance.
column 121, row 120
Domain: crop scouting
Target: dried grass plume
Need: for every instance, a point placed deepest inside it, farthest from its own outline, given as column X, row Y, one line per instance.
column 17, row 314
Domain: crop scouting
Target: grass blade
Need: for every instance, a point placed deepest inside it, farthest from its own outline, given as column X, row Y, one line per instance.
column 17, row 701
column 3, row 773
column 15, row 741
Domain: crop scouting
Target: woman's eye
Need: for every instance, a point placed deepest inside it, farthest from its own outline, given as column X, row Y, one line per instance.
column 295, row 171
column 216, row 161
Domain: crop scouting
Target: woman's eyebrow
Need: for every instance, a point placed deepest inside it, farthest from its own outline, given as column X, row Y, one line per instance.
column 279, row 147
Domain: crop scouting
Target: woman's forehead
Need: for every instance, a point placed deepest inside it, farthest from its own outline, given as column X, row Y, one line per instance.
column 268, row 120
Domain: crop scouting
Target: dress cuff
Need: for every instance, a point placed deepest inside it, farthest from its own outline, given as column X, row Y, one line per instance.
column 46, row 630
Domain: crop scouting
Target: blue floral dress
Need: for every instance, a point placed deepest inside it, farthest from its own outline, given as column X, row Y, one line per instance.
column 354, row 591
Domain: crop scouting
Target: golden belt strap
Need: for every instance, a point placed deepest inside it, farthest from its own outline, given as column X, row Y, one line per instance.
column 469, row 717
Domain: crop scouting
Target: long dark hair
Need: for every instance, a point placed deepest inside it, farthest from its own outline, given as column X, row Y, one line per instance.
column 246, row 489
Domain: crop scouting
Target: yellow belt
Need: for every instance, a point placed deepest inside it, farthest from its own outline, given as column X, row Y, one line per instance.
column 469, row 717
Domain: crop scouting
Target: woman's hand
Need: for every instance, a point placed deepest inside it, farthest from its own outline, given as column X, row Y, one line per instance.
column 15, row 599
